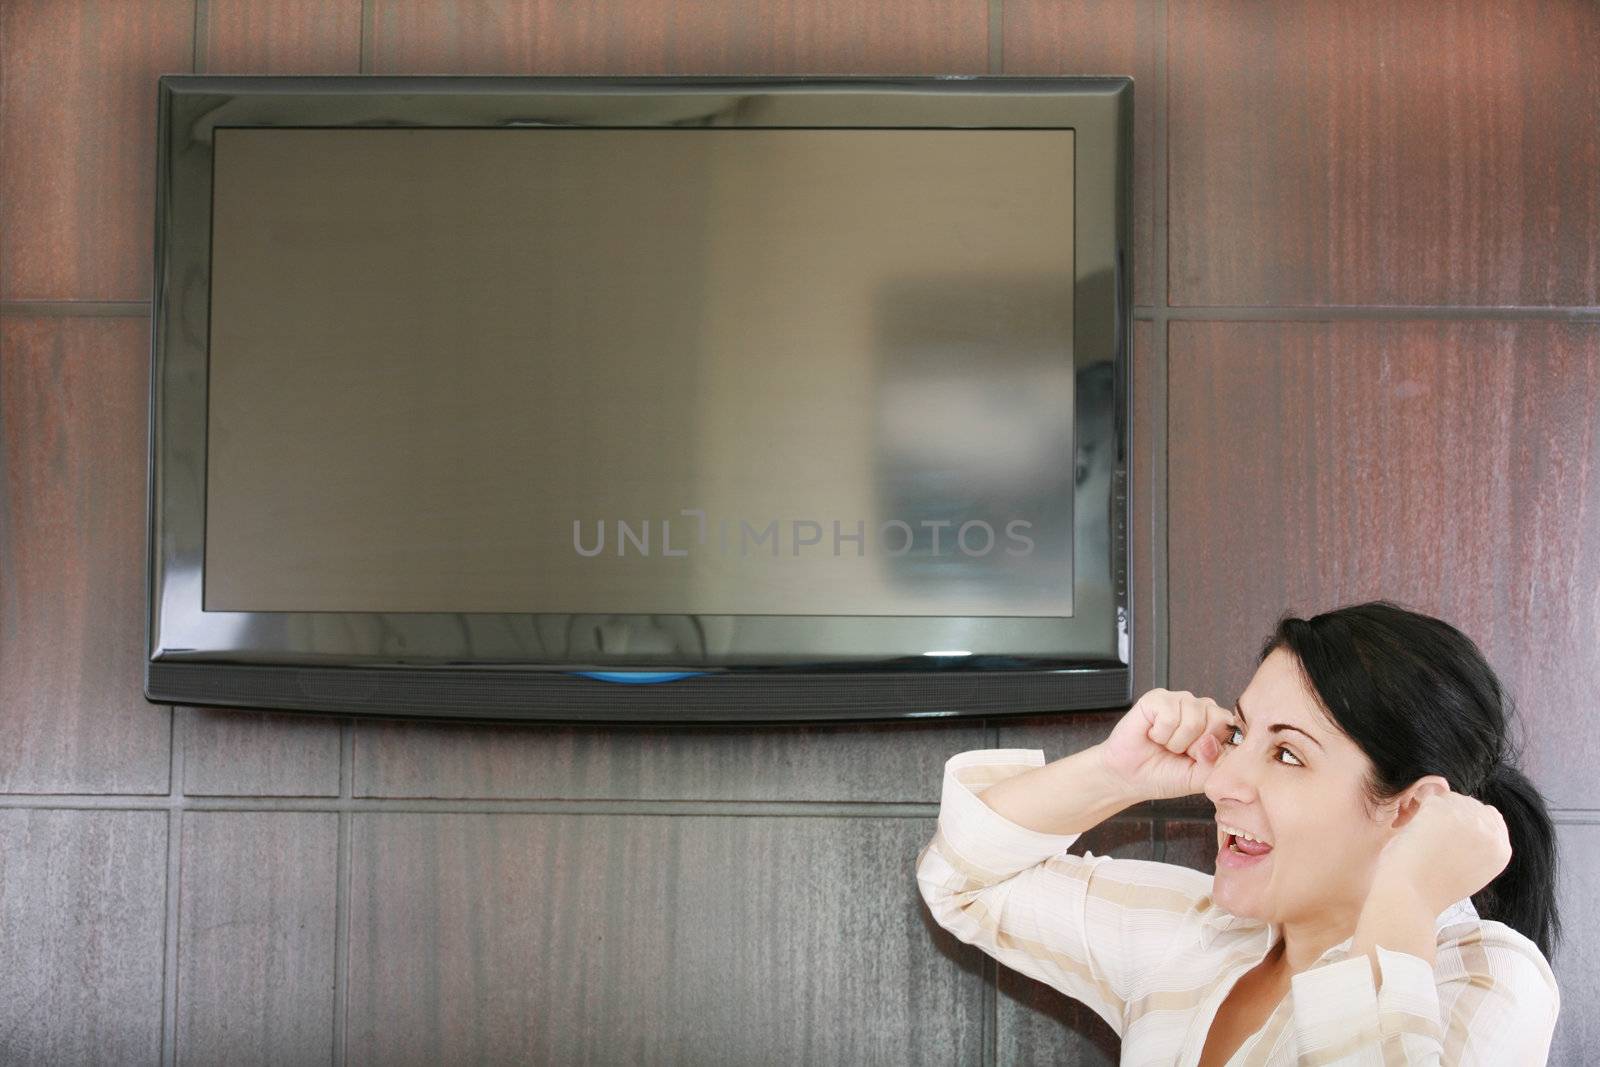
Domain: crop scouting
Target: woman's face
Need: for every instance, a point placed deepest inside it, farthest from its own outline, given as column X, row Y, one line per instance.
column 1298, row 789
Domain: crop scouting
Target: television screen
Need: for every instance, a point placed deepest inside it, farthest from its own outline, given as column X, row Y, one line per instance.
column 797, row 398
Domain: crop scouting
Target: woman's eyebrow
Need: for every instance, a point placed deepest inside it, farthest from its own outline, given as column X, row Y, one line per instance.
column 1277, row 726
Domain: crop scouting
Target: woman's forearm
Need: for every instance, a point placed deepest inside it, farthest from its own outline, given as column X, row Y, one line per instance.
column 1395, row 917
column 1069, row 796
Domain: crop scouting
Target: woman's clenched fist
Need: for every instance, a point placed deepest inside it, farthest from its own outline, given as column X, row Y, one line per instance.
column 1166, row 744
column 1452, row 846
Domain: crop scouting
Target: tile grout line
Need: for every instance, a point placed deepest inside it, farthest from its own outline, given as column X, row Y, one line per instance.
column 990, row 1013
column 1160, row 621
column 997, row 37
column 1141, row 312
column 824, row 809
column 1160, row 614
column 174, row 802
column 177, row 737
column 198, row 27
column 341, row 901
column 1364, row 313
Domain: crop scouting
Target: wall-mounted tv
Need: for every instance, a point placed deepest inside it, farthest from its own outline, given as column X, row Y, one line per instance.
column 667, row 400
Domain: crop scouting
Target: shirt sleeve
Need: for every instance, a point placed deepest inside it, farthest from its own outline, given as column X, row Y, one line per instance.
column 1093, row 927
column 1490, row 998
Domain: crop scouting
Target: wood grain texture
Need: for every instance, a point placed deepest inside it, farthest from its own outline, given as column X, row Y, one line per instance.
column 74, row 410
column 232, row 752
column 660, row 36
column 1084, row 37
column 1576, row 960
column 1039, row 1024
column 1146, row 419
column 282, row 37
column 82, row 915
column 628, row 939
column 255, row 941
column 1374, row 153
column 1190, row 843
column 78, row 137
column 826, row 762
column 1451, row 466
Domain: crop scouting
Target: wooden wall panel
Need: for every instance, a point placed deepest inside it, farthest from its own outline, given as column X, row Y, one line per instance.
column 282, row 37
column 662, row 37
column 231, row 752
column 1323, row 156
column 74, row 412
column 78, row 137
column 1051, row 37
column 1374, row 153
column 634, row 939
column 1452, row 466
column 1191, row 843
column 824, row 762
column 1578, row 1026
column 255, row 941
column 82, row 915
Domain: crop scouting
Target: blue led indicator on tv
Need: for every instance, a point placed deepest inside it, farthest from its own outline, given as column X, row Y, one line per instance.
column 638, row 677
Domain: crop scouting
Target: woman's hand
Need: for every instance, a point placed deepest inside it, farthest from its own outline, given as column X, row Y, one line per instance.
column 1452, row 846
column 1167, row 743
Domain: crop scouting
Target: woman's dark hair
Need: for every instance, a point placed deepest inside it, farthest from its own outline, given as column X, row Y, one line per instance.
column 1418, row 697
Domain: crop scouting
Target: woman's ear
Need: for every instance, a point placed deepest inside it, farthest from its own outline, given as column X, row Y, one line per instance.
column 1410, row 800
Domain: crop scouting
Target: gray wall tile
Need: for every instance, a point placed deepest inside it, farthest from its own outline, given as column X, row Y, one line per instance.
column 82, row 914
column 230, row 752
column 825, row 762
column 632, row 939
column 256, row 938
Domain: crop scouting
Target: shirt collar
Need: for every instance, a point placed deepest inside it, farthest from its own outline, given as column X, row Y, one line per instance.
column 1461, row 911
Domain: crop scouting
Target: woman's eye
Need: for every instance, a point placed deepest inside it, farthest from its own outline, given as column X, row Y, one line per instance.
column 1236, row 730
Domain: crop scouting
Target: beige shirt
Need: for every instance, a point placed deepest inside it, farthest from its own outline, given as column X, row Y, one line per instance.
column 1143, row 945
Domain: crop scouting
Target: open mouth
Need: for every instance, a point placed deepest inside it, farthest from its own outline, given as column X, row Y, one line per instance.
column 1241, row 843
column 1243, row 847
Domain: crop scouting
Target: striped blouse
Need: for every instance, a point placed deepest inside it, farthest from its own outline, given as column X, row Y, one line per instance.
column 1144, row 946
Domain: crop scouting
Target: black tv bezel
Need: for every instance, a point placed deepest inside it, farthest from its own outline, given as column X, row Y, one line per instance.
column 196, row 660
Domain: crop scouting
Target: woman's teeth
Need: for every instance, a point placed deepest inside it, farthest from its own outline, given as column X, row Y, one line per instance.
column 1236, row 832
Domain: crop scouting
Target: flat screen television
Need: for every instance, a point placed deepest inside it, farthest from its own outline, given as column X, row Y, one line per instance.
column 644, row 399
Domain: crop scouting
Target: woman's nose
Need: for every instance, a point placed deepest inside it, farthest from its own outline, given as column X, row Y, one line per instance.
column 1231, row 778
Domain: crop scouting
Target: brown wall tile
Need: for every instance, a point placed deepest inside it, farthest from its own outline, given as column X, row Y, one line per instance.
column 1451, row 466
column 658, row 36
column 632, row 939
column 74, row 411
column 825, row 762
column 78, row 136
column 1190, row 843
column 283, row 37
column 1374, row 153
column 1576, row 960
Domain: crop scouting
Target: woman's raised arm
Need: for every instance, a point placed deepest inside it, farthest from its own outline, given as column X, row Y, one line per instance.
column 997, row 873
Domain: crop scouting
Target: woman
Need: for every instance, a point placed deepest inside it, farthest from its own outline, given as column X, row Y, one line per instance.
column 1384, row 888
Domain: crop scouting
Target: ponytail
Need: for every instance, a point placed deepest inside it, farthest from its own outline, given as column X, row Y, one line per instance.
column 1522, row 896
